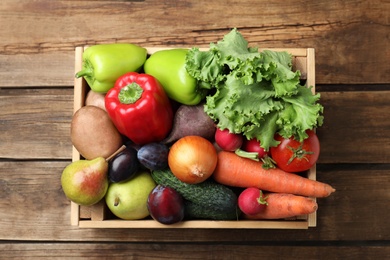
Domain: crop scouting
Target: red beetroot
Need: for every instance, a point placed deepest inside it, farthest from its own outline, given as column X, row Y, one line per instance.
column 251, row 201
column 228, row 141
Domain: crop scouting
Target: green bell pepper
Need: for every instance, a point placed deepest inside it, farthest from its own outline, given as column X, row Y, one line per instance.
column 169, row 68
column 103, row 64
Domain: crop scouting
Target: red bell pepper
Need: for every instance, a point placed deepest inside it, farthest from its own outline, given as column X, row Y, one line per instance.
column 140, row 108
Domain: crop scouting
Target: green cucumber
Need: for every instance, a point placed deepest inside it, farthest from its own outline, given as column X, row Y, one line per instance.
column 196, row 211
column 208, row 194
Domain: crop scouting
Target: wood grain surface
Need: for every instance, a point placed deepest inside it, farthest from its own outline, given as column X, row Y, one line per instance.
column 39, row 37
column 351, row 41
column 35, row 209
column 42, row 117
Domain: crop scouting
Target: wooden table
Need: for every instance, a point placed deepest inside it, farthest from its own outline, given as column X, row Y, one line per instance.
column 38, row 39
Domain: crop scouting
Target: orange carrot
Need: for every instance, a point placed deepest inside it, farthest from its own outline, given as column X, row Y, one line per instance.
column 236, row 171
column 283, row 205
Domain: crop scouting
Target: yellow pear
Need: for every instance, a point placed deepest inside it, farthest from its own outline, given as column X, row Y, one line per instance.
column 128, row 199
column 85, row 182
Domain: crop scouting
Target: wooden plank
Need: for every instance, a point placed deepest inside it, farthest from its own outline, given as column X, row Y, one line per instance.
column 349, row 116
column 195, row 251
column 355, row 128
column 195, row 224
column 36, row 68
column 34, row 208
column 35, row 123
column 349, row 37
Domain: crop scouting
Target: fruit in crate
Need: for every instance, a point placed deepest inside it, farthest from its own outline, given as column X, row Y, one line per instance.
column 128, row 199
column 166, row 205
column 93, row 134
column 85, row 181
column 154, row 156
column 123, row 165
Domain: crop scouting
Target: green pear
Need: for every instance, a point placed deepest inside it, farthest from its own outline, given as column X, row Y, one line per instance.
column 85, row 182
column 128, row 199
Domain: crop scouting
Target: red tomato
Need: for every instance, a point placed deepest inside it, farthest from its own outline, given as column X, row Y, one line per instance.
column 293, row 156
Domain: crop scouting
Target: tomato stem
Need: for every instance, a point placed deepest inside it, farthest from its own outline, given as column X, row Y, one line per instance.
column 299, row 153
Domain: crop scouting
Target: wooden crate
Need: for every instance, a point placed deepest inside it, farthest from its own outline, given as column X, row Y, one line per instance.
column 99, row 216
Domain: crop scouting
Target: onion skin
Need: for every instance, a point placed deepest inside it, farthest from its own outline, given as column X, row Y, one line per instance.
column 192, row 159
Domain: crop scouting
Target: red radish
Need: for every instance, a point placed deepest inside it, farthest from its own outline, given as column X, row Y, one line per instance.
column 228, row 141
column 253, row 146
column 251, row 201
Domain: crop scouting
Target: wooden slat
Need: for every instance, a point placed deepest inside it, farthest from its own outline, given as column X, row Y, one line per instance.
column 195, row 224
column 34, row 208
column 349, row 37
column 42, row 118
column 35, row 123
column 94, row 251
column 356, row 127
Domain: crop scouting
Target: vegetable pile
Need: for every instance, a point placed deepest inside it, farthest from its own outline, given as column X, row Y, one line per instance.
column 226, row 134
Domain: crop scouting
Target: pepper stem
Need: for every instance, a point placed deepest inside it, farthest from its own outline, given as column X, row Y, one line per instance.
column 130, row 93
column 87, row 70
column 84, row 72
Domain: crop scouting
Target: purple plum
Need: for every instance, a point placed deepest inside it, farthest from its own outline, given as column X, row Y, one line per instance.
column 165, row 205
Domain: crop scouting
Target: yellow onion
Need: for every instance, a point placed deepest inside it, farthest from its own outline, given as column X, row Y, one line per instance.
column 192, row 159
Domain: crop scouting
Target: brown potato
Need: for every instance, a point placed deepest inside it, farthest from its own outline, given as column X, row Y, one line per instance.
column 93, row 134
column 95, row 99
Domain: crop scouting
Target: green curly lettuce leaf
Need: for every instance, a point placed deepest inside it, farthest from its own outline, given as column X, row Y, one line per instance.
column 301, row 112
column 255, row 93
